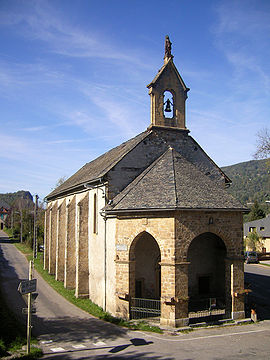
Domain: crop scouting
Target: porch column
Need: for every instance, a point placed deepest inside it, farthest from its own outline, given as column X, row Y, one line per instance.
column 174, row 294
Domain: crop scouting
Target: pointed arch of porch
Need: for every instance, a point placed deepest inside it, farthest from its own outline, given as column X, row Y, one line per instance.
column 226, row 239
column 144, row 267
column 207, row 269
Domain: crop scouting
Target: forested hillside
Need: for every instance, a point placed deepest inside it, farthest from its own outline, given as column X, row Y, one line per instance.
column 250, row 180
column 10, row 198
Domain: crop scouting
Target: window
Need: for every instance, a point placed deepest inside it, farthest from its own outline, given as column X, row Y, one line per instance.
column 251, row 229
column 95, row 217
column 261, row 228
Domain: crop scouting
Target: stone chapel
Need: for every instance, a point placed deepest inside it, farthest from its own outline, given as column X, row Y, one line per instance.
column 148, row 229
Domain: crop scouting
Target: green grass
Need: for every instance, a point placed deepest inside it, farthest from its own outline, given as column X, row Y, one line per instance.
column 24, row 248
column 8, row 231
column 84, row 304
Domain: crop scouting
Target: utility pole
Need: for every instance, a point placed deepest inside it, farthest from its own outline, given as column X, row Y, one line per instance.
column 29, row 312
column 21, row 216
column 35, row 229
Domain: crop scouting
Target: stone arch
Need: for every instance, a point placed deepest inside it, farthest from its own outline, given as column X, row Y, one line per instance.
column 227, row 240
column 207, row 268
column 144, row 267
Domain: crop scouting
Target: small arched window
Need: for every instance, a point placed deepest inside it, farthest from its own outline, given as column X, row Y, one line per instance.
column 168, row 106
column 95, row 215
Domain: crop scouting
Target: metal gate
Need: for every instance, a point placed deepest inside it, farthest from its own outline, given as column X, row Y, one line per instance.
column 206, row 307
column 144, row 308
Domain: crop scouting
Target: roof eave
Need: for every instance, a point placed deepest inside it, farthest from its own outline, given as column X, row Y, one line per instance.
column 74, row 189
column 173, row 208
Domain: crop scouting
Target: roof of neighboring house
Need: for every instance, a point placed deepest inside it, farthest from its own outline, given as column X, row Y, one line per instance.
column 172, row 182
column 4, row 205
column 261, row 223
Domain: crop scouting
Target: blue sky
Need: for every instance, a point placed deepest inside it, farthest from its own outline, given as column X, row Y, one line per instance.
column 73, row 79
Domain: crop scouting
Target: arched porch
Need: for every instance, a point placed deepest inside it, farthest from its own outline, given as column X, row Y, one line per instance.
column 144, row 277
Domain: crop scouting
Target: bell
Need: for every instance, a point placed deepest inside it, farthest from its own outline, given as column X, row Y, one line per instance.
column 168, row 106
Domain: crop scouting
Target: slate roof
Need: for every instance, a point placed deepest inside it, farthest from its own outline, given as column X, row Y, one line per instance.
column 263, row 223
column 98, row 168
column 172, row 182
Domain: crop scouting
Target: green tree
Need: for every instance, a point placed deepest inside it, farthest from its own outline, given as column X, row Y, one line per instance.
column 253, row 241
column 256, row 212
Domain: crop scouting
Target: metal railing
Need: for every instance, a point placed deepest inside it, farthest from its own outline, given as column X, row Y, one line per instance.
column 206, row 307
column 144, row 308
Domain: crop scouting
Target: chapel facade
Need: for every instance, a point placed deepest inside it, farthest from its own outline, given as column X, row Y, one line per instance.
column 148, row 228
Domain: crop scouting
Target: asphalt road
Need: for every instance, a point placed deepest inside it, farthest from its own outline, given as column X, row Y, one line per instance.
column 66, row 332
column 257, row 278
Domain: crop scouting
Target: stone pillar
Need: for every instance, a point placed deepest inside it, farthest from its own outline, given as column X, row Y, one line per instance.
column 47, row 227
column 70, row 258
column 52, row 247
column 181, row 294
column 60, row 249
column 82, row 284
column 174, row 294
column 123, row 287
column 235, row 304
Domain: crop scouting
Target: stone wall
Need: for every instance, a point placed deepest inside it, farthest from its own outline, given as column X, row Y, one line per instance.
column 53, row 237
column 47, row 236
column 61, row 242
column 82, row 284
column 70, row 260
column 161, row 228
column 174, row 233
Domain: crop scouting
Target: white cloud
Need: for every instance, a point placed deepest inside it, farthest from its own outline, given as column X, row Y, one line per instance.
column 39, row 21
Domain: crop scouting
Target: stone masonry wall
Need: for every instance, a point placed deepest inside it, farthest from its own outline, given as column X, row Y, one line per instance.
column 61, row 243
column 52, row 251
column 47, row 238
column 82, row 286
column 174, row 233
column 228, row 226
column 70, row 261
column 127, row 230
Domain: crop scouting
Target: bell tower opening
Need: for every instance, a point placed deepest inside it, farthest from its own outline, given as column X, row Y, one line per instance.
column 168, row 107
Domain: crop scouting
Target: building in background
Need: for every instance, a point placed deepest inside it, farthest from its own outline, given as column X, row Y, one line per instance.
column 262, row 228
column 4, row 211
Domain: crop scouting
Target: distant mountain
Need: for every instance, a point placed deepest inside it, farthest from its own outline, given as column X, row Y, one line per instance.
column 250, row 180
column 9, row 198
